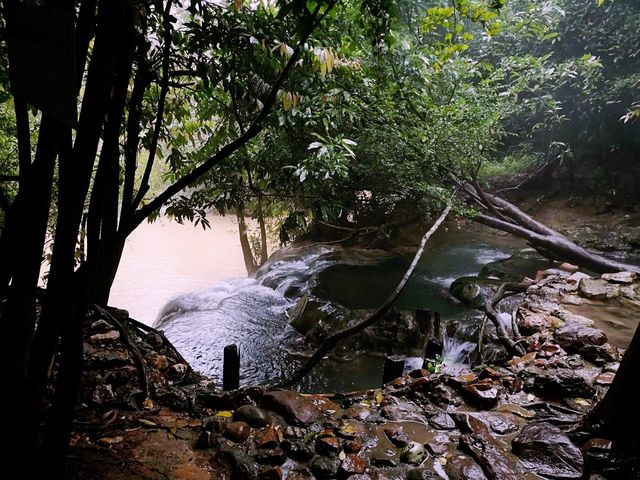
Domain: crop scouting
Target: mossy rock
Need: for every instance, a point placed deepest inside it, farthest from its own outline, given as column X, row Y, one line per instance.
column 474, row 291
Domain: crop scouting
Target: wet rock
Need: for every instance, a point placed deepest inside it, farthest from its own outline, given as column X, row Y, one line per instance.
column 107, row 358
column 605, row 378
column 575, row 337
column 422, row 385
column 600, row 354
column 293, row 432
column 271, row 473
column 593, row 288
column 516, row 410
column 512, row 384
column 352, row 446
column 242, row 465
column 325, row 467
column 562, row 382
column 352, row 465
column 299, row 474
column 237, row 432
column 495, row 462
column 380, row 460
column 103, row 394
column 213, row 424
column 445, row 396
column 327, row 445
column 252, row 415
column 474, row 291
column 442, row 421
column 206, row 440
column 620, row 277
column 357, row 412
column 297, row 450
column 545, row 450
column 174, row 398
column 396, row 435
column 161, row 362
column 498, row 423
column 107, row 337
column 271, row 456
column 421, row 474
column 413, row 453
column 296, row 408
column 436, row 449
column 481, row 394
column 530, row 323
column 267, row 437
column 463, row 467
column 177, row 371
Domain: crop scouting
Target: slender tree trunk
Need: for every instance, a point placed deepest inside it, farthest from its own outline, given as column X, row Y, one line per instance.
column 333, row 340
column 264, row 249
column 247, row 255
column 19, row 316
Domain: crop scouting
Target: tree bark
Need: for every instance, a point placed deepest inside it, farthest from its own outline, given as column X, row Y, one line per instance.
column 617, row 415
column 333, row 340
column 247, row 255
column 264, row 250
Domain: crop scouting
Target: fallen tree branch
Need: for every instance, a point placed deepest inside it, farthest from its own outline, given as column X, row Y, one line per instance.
column 330, row 342
column 507, row 340
column 146, row 328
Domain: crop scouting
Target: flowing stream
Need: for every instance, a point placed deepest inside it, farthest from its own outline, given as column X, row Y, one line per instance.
column 252, row 312
column 208, row 302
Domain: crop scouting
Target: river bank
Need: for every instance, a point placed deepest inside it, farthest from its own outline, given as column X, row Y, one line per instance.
column 519, row 418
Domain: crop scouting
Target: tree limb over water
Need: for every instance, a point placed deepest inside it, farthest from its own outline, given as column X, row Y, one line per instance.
column 503, row 215
column 330, row 342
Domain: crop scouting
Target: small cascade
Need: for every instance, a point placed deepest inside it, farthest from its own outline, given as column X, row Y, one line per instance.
column 252, row 312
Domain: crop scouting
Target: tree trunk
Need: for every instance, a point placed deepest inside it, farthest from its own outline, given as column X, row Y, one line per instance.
column 264, row 250
column 247, row 255
column 507, row 217
column 617, row 415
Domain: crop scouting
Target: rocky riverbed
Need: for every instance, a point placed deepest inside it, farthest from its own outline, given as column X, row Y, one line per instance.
column 517, row 418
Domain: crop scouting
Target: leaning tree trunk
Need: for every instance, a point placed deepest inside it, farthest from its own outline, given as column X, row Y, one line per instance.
column 502, row 215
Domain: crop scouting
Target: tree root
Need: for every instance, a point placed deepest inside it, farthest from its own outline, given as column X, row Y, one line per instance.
column 512, row 343
column 125, row 335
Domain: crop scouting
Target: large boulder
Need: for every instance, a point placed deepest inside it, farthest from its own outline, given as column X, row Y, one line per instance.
column 545, row 450
column 575, row 337
column 594, row 288
column 490, row 455
column 562, row 382
column 474, row 291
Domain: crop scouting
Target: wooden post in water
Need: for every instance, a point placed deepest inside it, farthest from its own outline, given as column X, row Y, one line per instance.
column 393, row 368
column 437, row 327
column 423, row 319
column 231, row 368
column 433, row 344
